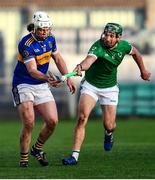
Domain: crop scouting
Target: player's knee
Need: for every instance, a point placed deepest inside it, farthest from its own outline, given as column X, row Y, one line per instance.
column 51, row 124
column 29, row 125
column 82, row 119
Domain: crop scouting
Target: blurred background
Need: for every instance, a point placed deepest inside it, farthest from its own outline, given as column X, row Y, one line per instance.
column 76, row 25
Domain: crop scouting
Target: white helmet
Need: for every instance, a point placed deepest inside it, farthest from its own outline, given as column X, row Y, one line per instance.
column 41, row 19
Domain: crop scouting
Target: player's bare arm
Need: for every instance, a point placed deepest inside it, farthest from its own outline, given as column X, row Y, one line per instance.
column 59, row 61
column 32, row 69
column 145, row 74
column 61, row 65
column 85, row 64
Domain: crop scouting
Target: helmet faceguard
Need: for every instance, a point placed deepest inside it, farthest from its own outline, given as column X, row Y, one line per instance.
column 113, row 27
column 41, row 20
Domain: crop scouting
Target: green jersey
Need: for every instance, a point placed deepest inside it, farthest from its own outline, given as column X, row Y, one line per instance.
column 103, row 72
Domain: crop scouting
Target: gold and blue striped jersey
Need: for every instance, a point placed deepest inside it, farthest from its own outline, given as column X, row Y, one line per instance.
column 29, row 48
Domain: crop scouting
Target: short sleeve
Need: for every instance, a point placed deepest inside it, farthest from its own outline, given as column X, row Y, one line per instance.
column 94, row 49
column 26, row 52
column 127, row 47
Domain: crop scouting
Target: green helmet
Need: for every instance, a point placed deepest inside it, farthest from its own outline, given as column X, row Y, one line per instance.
column 113, row 27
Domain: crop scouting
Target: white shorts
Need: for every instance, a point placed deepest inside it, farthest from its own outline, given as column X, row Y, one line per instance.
column 106, row 96
column 38, row 94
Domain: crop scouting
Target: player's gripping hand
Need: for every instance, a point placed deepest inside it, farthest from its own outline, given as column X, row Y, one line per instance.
column 54, row 83
column 53, row 80
column 78, row 69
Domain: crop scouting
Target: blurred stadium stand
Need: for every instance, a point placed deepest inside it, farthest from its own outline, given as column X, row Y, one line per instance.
column 74, row 3
column 76, row 25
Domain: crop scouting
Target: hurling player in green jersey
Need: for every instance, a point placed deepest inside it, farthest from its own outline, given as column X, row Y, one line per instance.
column 100, row 84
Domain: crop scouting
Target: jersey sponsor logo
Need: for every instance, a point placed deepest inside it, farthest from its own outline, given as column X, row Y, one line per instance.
column 44, row 58
column 36, row 50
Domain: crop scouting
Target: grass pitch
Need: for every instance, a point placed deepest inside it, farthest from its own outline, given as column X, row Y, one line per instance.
column 133, row 154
